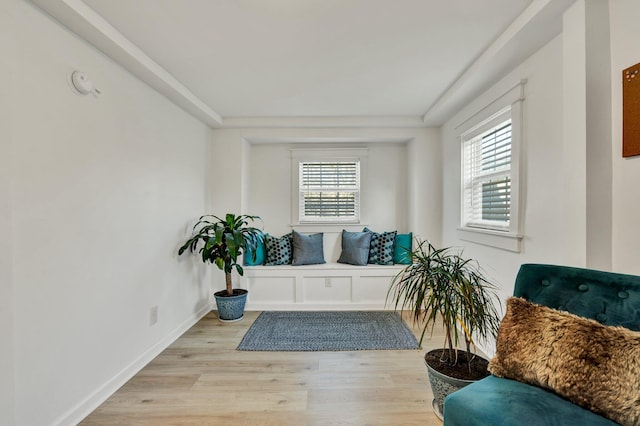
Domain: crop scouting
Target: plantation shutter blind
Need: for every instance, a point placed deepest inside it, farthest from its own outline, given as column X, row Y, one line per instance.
column 488, row 178
column 329, row 191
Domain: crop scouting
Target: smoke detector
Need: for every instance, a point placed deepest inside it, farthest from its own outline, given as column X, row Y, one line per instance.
column 81, row 84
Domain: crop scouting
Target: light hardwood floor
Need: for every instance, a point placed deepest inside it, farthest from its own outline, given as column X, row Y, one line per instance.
column 202, row 380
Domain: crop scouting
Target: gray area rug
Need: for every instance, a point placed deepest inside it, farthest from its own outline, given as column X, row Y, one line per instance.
column 328, row 331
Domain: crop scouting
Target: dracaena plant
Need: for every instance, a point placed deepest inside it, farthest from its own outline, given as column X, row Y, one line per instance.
column 222, row 241
column 441, row 284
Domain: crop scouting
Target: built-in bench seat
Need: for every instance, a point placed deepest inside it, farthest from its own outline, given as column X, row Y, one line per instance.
column 328, row 286
column 322, row 286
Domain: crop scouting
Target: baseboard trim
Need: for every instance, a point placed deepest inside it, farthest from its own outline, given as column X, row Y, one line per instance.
column 93, row 401
column 308, row 306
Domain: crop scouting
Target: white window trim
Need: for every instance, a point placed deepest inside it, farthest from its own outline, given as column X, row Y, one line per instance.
column 477, row 123
column 299, row 155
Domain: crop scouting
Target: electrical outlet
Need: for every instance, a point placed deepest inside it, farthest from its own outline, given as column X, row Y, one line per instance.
column 153, row 315
column 327, row 282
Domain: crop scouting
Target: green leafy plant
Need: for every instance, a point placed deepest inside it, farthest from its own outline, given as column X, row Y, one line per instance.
column 222, row 241
column 441, row 284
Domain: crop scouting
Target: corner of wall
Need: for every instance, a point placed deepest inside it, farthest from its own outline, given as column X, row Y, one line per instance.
column 425, row 184
column 587, row 136
column 7, row 97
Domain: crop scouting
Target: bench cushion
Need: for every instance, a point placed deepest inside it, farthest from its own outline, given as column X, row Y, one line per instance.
column 496, row 401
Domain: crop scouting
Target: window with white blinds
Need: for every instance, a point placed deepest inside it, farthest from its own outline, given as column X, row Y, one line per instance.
column 492, row 183
column 487, row 178
column 329, row 191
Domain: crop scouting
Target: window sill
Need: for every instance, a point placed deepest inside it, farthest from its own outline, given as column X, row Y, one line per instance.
column 502, row 240
column 328, row 227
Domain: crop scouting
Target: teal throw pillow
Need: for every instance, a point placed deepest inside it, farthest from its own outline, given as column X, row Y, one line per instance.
column 307, row 249
column 402, row 249
column 355, row 247
column 279, row 250
column 260, row 253
column 381, row 248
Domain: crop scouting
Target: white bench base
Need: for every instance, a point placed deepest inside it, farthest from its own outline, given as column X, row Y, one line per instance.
column 327, row 287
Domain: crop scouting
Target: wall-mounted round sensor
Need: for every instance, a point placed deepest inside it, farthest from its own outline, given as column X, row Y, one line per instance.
column 81, row 83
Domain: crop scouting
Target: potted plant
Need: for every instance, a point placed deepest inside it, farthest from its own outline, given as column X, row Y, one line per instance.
column 441, row 285
column 222, row 241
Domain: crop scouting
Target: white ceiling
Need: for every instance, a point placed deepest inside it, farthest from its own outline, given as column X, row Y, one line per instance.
column 314, row 58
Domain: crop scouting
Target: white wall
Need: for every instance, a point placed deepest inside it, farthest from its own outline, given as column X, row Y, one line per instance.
column 625, row 52
column 424, row 185
column 599, row 131
column 104, row 191
column 7, row 51
column 574, row 134
column 543, row 169
column 587, row 134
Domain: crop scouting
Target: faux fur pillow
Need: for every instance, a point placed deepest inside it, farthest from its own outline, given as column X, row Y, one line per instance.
column 592, row 365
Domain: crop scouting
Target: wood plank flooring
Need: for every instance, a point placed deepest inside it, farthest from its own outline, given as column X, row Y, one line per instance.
column 202, row 380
